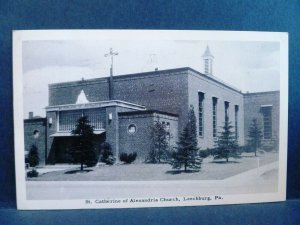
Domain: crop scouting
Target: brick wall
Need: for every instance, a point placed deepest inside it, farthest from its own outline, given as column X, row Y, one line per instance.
column 158, row 90
column 252, row 107
column 169, row 91
column 199, row 83
column 51, row 129
column 67, row 93
column 31, row 126
column 140, row 141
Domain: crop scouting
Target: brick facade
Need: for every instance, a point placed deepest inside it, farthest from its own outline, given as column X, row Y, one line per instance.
column 141, row 140
column 169, row 91
column 253, row 102
column 210, row 88
column 35, row 133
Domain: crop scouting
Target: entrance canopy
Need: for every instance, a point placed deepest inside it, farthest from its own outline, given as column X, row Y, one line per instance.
column 69, row 134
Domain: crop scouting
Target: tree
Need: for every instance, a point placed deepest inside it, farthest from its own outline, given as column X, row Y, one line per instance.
column 192, row 125
column 83, row 150
column 226, row 143
column 159, row 147
column 33, row 156
column 186, row 153
column 255, row 136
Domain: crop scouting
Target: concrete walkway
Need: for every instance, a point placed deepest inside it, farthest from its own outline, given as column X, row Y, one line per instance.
column 254, row 174
column 52, row 168
column 244, row 183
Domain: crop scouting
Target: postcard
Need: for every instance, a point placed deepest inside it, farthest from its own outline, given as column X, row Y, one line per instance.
column 149, row 118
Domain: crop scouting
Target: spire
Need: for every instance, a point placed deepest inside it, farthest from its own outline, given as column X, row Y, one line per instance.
column 81, row 99
column 208, row 61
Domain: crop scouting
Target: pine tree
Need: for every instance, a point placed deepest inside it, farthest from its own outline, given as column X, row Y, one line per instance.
column 33, row 156
column 192, row 125
column 255, row 136
column 160, row 143
column 186, row 153
column 226, row 143
column 83, row 150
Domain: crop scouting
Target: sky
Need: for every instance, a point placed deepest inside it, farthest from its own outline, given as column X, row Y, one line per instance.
column 248, row 66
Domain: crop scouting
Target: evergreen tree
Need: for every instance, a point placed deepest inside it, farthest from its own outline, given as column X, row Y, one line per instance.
column 33, row 156
column 192, row 124
column 83, row 150
column 255, row 136
column 226, row 143
column 186, row 153
column 159, row 147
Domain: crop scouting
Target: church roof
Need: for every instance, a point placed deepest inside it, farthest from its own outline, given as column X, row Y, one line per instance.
column 141, row 112
column 150, row 73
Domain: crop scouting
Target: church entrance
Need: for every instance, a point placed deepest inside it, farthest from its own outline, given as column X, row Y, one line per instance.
column 62, row 145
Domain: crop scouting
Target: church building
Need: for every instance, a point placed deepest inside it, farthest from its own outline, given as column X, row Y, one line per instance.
column 123, row 108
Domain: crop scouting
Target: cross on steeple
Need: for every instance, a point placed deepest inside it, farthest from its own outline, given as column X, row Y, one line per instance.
column 111, row 87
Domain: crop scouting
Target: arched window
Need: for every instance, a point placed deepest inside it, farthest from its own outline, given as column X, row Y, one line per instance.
column 36, row 134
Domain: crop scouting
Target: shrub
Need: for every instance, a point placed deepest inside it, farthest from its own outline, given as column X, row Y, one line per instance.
column 204, row 153
column 128, row 158
column 106, row 154
column 32, row 173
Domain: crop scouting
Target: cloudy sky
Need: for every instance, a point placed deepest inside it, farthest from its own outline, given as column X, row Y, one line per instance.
column 249, row 66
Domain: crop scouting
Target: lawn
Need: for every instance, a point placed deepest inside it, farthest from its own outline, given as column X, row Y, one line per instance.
column 210, row 170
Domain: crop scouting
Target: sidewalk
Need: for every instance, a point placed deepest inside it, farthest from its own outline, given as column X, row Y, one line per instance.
column 57, row 167
column 254, row 174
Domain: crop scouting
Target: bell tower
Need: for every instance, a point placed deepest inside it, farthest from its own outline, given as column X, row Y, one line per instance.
column 208, row 61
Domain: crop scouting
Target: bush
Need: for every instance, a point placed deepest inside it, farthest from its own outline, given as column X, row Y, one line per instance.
column 32, row 173
column 33, row 156
column 204, row 153
column 128, row 158
column 106, row 155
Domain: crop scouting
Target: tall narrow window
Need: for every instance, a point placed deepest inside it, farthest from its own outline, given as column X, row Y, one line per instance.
column 214, row 113
column 267, row 121
column 206, row 66
column 201, row 111
column 226, row 106
column 236, row 117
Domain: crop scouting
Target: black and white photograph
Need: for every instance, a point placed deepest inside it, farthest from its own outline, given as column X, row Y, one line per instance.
column 140, row 118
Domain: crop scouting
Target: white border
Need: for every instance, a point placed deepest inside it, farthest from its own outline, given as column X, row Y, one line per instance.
column 20, row 36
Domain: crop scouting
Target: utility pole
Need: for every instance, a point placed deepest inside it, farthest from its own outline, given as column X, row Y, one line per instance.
column 111, row 86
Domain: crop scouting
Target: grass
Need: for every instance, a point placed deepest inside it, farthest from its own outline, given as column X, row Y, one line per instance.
column 210, row 170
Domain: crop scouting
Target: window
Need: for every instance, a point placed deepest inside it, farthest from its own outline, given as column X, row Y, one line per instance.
column 167, row 126
column 226, row 106
column 206, row 66
column 236, row 117
column 201, row 111
column 96, row 117
column 267, row 121
column 214, row 113
column 131, row 129
column 68, row 119
column 36, row 134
